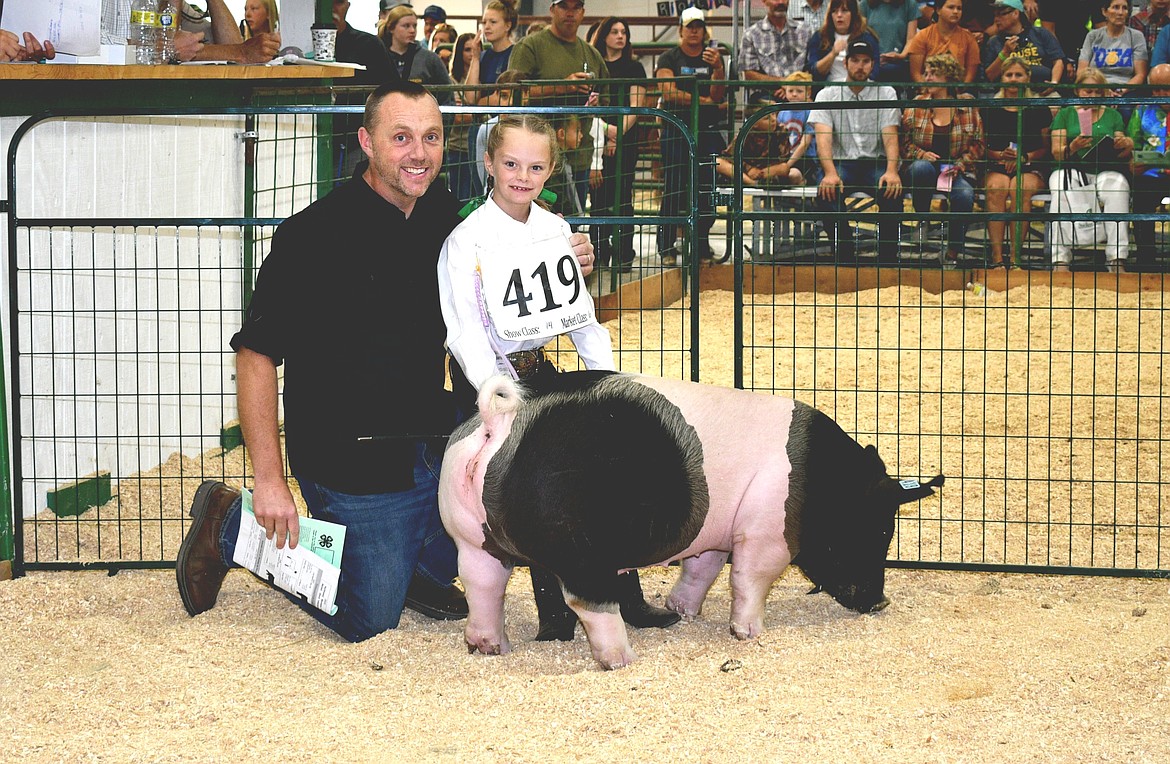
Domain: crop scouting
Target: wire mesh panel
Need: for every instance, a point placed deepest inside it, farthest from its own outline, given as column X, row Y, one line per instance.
column 129, row 275
column 1039, row 392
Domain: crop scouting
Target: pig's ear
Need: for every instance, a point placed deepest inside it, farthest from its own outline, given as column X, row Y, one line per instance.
column 906, row 491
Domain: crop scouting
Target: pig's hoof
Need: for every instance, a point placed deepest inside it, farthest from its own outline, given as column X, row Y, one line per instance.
column 688, row 611
column 487, row 646
column 745, row 632
column 615, row 658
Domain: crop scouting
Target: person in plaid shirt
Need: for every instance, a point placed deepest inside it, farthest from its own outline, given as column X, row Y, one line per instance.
column 1151, row 20
column 771, row 48
column 942, row 146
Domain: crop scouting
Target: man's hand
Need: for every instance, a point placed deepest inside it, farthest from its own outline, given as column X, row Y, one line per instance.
column 273, row 506
column 259, row 49
column 831, row 185
column 891, row 183
column 583, row 88
column 583, row 249
column 929, row 156
column 188, row 44
column 595, row 178
column 10, row 47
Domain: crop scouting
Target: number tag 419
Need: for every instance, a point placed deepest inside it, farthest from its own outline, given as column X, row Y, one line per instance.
column 535, row 290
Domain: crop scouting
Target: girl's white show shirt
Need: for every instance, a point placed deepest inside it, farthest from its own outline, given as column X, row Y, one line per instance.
column 489, row 232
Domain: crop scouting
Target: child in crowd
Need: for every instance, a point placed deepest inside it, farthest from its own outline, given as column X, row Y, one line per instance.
column 508, row 92
column 509, row 283
column 780, row 151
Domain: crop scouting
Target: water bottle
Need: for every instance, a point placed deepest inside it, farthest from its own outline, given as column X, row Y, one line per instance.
column 168, row 24
column 143, row 26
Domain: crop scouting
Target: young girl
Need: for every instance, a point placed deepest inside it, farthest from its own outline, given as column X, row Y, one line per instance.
column 493, row 330
column 509, row 283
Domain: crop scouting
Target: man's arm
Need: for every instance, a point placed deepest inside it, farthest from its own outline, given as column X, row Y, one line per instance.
column 831, row 182
column 891, row 181
column 229, row 45
column 256, row 397
column 224, row 29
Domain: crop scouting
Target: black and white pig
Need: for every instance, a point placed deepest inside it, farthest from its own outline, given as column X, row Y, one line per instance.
column 611, row 472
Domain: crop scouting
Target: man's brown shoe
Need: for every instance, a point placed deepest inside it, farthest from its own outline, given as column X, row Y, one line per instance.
column 199, row 568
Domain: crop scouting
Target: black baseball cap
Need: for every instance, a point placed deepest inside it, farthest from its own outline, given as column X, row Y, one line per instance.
column 860, row 48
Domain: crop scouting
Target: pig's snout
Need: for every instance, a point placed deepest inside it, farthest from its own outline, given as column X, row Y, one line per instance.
column 878, row 606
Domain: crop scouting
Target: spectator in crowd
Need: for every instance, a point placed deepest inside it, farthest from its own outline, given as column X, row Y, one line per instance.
column 1091, row 174
column 825, row 58
column 945, row 36
column 943, row 145
column 408, row 60
column 442, row 42
column 978, row 18
column 385, row 6
column 1017, row 146
column 692, row 56
column 1151, row 180
column 1161, row 52
column 1035, row 45
column 772, row 47
column 461, row 164
column 357, row 47
column 557, row 53
column 259, row 16
column 1151, row 20
column 858, row 151
column 1117, row 50
column 615, row 194
column 895, row 22
column 1068, row 21
column 25, row 48
column 777, row 150
column 432, row 16
column 809, row 14
column 499, row 21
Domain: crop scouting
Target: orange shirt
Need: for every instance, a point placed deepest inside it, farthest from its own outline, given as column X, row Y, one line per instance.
column 961, row 44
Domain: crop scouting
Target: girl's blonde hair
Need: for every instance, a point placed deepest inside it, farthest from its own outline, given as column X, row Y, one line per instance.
column 528, row 122
column 1091, row 75
column 532, row 124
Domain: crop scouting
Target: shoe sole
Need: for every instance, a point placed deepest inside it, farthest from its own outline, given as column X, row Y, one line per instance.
column 201, row 498
column 430, row 612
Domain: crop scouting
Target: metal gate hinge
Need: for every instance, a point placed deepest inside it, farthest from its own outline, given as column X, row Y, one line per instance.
column 248, row 135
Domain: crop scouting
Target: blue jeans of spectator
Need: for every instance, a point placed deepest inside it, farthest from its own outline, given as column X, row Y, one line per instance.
column 616, row 181
column 676, row 185
column 862, row 175
column 389, row 538
column 922, row 179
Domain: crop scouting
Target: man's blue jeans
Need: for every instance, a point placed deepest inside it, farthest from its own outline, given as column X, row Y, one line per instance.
column 389, row 537
column 922, row 178
column 862, row 175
